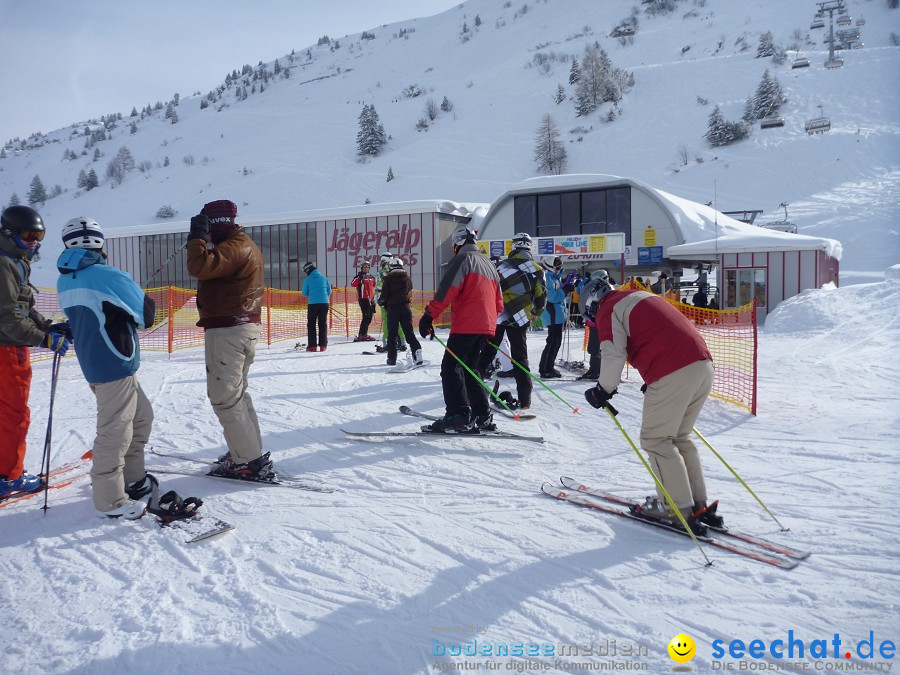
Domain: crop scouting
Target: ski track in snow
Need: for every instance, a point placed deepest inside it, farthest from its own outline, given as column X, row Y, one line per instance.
column 427, row 534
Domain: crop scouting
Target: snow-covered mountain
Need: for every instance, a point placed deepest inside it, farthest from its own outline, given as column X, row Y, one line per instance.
column 292, row 146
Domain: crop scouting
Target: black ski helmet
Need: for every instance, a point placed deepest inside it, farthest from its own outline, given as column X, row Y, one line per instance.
column 23, row 222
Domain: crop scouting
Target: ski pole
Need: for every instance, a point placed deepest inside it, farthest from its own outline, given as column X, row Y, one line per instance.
column 741, row 480
column 612, row 413
column 532, row 376
column 473, row 374
column 168, row 260
column 45, row 462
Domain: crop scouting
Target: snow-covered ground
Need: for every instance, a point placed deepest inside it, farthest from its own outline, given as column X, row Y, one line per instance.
column 425, row 540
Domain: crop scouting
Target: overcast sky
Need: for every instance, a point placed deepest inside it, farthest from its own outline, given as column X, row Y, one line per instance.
column 63, row 61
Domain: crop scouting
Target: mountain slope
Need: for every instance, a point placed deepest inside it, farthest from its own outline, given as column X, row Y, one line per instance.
column 292, row 147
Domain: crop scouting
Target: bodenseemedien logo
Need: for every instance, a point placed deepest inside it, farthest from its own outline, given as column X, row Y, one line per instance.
column 682, row 649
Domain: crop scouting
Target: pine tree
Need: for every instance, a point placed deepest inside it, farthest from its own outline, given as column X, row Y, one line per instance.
column 768, row 98
column 3, row 152
column 371, row 137
column 92, row 180
column 390, row 175
column 37, row 193
column 574, row 71
column 14, row 200
column 82, row 181
column 134, row 112
column 133, row 128
column 549, row 152
column 766, row 45
column 166, row 161
column 560, row 94
column 96, row 154
column 715, row 128
column 591, row 84
column 446, row 105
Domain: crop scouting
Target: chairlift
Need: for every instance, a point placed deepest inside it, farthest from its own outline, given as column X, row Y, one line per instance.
column 771, row 122
column 818, row 23
column 836, row 62
column 860, row 21
column 818, row 125
column 800, row 63
column 844, row 21
column 857, row 45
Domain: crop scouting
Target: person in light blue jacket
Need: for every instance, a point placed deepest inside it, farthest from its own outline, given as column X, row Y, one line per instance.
column 317, row 290
column 105, row 307
column 554, row 316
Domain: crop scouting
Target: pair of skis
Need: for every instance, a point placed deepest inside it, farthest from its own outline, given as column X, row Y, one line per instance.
column 62, row 471
column 281, row 481
column 406, row 410
column 750, row 546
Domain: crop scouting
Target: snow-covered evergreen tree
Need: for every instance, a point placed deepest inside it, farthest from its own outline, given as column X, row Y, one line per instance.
column 720, row 131
column 37, row 193
column 92, row 180
column 82, row 181
column 560, row 94
column 768, row 98
column 14, row 200
column 370, row 138
column 390, row 174
column 766, row 46
column 549, row 151
column 574, row 71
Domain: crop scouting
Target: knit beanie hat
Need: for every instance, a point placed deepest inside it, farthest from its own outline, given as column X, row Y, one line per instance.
column 221, row 214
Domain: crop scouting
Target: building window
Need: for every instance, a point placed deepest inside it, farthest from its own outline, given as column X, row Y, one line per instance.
column 565, row 213
column 618, row 212
column 593, row 212
column 525, row 216
column 570, row 212
column 549, row 216
column 743, row 285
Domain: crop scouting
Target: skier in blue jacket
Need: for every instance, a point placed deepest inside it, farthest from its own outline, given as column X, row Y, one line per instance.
column 554, row 315
column 105, row 307
column 317, row 290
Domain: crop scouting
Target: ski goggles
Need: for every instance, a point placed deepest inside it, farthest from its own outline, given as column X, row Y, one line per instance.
column 32, row 235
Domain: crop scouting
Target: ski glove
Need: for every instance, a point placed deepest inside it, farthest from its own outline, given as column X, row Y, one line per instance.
column 598, row 397
column 426, row 327
column 63, row 328
column 56, row 342
column 199, row 228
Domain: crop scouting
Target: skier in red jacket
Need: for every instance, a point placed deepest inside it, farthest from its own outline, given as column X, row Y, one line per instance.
column 471, row 288
column 675, row 363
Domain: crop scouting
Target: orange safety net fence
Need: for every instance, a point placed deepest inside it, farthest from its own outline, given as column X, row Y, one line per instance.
column 283, row 317
column 731, row 335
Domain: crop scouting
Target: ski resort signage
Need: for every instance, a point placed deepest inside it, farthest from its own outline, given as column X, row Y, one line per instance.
column 569, row 247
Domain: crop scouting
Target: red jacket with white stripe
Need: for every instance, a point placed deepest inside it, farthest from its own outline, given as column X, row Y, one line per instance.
column 649, row 332
column 471, row 288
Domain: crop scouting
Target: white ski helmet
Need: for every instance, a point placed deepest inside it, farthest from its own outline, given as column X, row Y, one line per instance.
column 521, row 240
column 600, row 275
column 396, row 263
column 83, row 233
column 462, row 235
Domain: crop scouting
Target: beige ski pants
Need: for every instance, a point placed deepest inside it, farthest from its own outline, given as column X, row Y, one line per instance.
column 671, row 407
column 124, row 420
column 229, row 355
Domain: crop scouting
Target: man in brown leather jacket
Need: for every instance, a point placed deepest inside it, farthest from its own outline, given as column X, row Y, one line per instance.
column 229, row 298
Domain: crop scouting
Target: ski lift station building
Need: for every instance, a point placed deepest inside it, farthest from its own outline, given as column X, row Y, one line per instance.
column 610, row 221
column 597, row 220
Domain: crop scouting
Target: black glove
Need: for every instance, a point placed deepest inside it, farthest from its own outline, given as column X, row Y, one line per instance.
column 598, row 397
column 426, row 327
column 381, row 302
column 63, row 328
column 644, row 389
column 199, row 228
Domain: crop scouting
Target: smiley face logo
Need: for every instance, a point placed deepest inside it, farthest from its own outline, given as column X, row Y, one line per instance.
column 682, row 648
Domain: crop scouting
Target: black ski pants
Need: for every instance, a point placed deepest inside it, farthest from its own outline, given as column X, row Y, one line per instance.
column 317, row 316
column 518, row 349
column 594, row 351
column 554, row 342
column 368, row 311
column 461, row 388
column 400, row 316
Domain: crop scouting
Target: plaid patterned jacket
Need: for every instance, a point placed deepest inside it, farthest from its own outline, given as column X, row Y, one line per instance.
column 523, row 288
